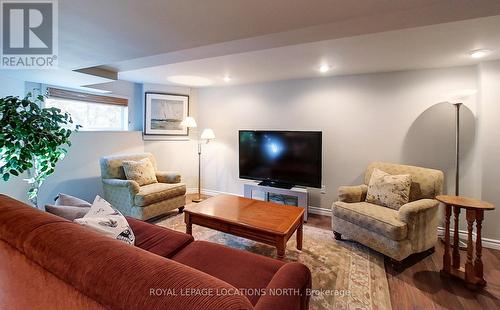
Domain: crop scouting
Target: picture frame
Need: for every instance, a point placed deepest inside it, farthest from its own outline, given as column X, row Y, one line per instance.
column 163, row 114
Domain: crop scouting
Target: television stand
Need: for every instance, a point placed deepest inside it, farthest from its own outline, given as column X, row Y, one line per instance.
column 299, row 193
column 276, row 184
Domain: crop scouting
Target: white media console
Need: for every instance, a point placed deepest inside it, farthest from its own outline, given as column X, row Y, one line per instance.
column 298, row 192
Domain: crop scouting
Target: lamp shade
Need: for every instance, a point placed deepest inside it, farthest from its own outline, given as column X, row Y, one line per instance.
column 189, row 122
column 207, row 134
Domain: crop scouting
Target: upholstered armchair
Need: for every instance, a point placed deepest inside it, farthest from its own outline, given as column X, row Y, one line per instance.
column 142, row 202
column 394, row 233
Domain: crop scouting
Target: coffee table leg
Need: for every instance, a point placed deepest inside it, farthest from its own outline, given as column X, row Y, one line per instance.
column 189, row 225
column 281, row 247
column 299, row 235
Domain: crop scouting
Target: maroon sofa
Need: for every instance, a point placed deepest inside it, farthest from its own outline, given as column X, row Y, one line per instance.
column 47, row 262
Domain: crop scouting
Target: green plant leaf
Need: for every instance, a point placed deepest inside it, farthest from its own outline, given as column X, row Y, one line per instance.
column 31, row 137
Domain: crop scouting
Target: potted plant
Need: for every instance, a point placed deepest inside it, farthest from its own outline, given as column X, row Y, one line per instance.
column 32, row 139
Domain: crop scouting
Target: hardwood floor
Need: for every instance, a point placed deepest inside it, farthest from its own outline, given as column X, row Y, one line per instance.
column 419, row 286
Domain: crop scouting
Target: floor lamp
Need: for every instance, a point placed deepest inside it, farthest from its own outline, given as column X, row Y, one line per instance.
column 457, row 100
column 457, row 147
column 206, row 136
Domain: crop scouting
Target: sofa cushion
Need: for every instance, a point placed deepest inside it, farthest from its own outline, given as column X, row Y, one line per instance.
column 149, row 194
column 69, row 207
column 381, row 220
column 243, row 270
column 68, row 212
column 158, row 240
column 68, row 200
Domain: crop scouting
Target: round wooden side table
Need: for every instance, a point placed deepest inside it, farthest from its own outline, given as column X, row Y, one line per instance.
column 474, row 211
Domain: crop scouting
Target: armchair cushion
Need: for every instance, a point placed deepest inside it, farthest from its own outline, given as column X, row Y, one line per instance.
column 353, row 193
column 388, row 190
column 149, row 194
column 168, row 177
column 381, row 220
column 141, row 171
column 426, row 183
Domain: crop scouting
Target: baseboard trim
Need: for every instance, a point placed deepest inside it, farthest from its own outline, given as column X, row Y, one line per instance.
column 320, row 211
column 486, row 242
column 209, row 192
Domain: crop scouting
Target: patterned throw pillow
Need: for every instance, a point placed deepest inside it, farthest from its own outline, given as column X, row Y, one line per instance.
column 141, row 171
column 104, row 219
column 388, row 190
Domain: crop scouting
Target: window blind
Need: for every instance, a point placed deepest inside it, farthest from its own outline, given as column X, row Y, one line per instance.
column 74, row 95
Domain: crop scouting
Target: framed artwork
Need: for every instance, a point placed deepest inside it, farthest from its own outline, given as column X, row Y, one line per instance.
column 164, row 113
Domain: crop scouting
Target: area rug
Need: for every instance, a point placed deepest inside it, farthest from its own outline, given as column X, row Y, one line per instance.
column 345, row 275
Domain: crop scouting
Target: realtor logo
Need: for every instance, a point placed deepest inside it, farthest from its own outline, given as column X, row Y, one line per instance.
column 29, row 34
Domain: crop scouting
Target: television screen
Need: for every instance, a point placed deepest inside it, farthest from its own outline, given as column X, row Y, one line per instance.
column 286, row 157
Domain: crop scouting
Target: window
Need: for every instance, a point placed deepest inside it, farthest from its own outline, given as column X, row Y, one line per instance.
column 92, row 112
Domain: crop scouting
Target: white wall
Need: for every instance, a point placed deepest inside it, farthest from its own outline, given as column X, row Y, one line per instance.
column 11, row 87
column 176, row 155
column 393, row 117
column 79, row 173
column 489, row 133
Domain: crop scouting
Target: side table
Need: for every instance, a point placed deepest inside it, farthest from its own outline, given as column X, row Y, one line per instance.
column 474, row 211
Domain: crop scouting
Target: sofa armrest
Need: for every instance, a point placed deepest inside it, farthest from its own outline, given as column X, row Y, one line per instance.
column 168, row 177
column 295, row 279
column 132, row 186
column 353, row 193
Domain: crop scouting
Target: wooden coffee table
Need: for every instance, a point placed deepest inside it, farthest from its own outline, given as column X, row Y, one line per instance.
column 261, row 221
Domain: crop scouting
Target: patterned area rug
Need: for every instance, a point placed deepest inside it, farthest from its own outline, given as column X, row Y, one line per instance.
column 346, row 275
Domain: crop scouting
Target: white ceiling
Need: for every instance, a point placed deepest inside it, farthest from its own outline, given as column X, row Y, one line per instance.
column 129, row 34
column 434, row 46
column 97, row 32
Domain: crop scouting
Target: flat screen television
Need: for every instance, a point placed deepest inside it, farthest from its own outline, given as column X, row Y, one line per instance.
column 281, row 158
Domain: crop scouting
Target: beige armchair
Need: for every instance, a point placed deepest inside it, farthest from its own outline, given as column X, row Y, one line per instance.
column 141, row 202
column 395, row 233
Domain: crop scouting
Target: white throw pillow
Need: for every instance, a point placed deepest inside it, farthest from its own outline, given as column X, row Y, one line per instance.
column 388, row 190
column 104, row 219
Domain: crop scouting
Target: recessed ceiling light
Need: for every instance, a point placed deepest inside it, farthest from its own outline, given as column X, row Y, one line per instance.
column 324, row 68
column 190, row 80
column 227, row 79
column 479, row 53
